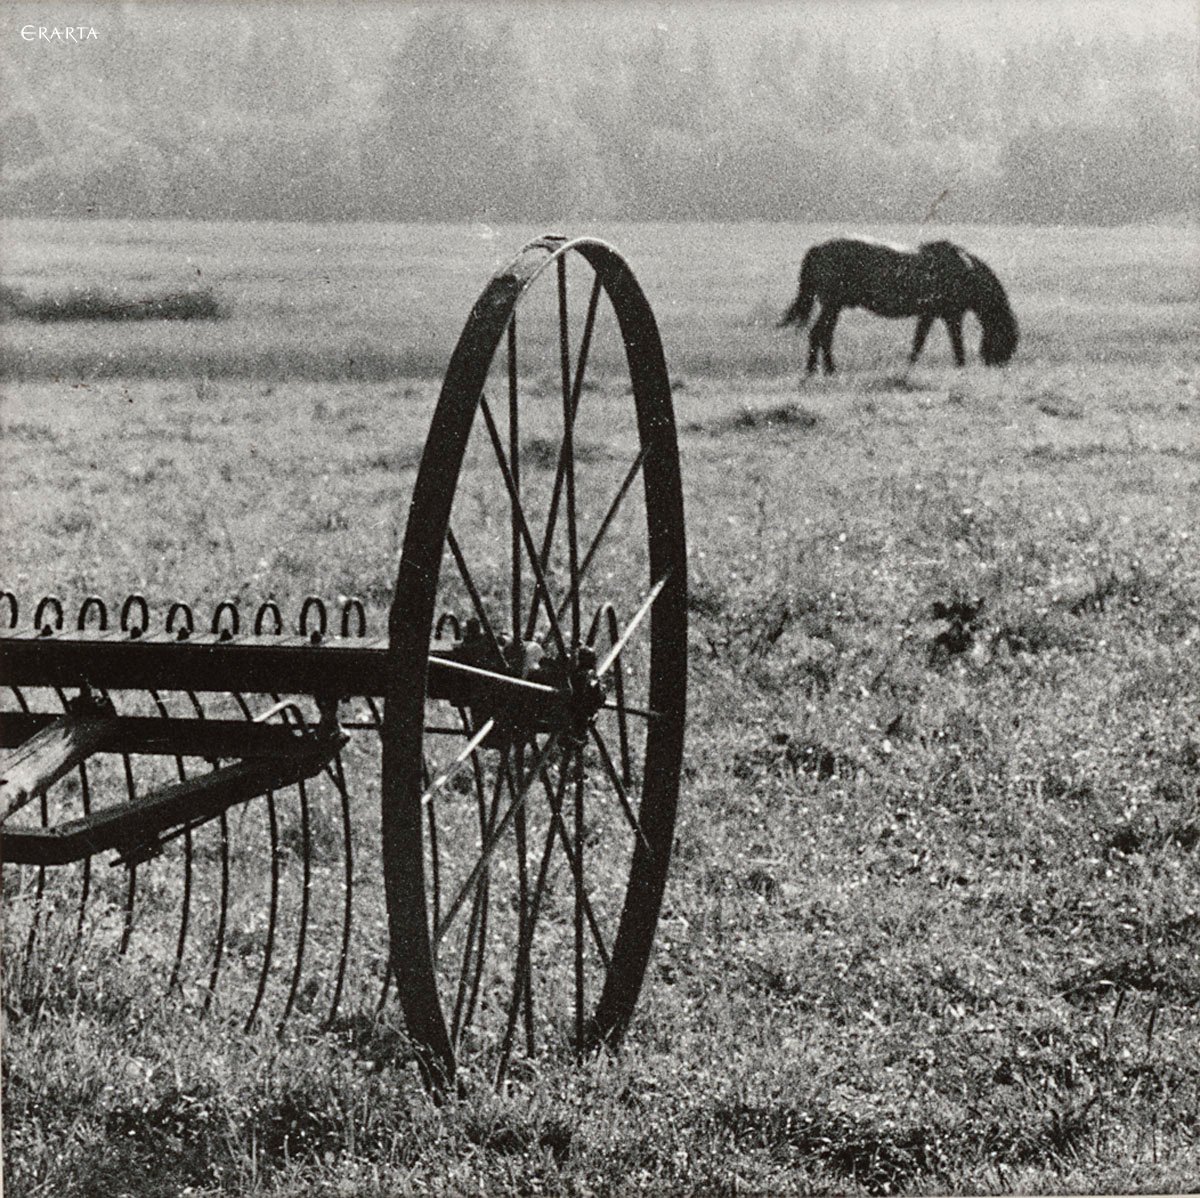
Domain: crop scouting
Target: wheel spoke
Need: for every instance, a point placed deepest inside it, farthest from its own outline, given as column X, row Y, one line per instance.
column 464, row 755
column 478, row 907
column 568, row 454
column 610, row 658
column 560, row 469
column 473, row 591
column 580, row 895
column 641, row 713
column 478, row 925
column 559, row 828
column 526, row 537
column 523, row 905
column 489, row 846
column 619, row 687
column 514, row 457
column 602, row 531
column 622, row 794
column 522, row 979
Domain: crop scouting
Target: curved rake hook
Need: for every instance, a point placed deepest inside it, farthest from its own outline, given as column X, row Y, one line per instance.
column 268, row 608
column 313, row 603
column 11, row 599
column 355, row 607
column 54, row 603
column 93, row 603
column 143, row 609
column 225, row 629
column 187, row 627
column 448, row 619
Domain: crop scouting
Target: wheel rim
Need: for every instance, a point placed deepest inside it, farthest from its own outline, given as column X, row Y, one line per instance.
column 525, row 867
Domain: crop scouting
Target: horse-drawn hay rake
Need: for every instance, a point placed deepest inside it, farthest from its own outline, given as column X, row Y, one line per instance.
column 518, row 730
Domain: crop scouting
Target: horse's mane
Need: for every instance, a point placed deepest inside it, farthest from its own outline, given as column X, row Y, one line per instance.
column 947, row 249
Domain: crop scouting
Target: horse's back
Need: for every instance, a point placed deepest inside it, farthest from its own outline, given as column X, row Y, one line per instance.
column 862, row 272
column 868, row 250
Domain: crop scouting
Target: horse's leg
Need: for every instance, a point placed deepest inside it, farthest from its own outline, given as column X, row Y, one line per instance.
column 824, row 327
column 954, row 328
column 924, row 324
column 814, row 344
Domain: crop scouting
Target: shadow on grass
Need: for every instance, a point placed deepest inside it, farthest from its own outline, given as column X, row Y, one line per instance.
column 895, row 382
column 191, row 304
column 883, row 1154
column 791, row 415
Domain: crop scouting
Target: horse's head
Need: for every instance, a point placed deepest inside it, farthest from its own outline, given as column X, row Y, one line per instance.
column 990, row 304
column 1000, row 337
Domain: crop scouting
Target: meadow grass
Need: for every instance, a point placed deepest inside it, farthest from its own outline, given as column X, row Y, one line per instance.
column 934, row 911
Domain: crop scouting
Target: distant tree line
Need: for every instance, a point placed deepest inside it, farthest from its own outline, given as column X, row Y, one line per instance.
column 469, row 120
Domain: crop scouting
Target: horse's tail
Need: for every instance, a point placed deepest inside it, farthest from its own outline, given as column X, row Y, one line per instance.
column 801, row 307
column 990, row 303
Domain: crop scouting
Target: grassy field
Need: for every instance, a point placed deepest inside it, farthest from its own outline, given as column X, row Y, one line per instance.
column 934, row 914
column 375, row 302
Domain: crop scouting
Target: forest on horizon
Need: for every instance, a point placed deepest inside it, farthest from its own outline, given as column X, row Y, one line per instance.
column 501, row 114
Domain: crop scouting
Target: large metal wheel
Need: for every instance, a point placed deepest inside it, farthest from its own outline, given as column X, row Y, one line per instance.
column 525, row 857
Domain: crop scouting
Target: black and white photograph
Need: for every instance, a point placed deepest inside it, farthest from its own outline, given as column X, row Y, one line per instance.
column 599, row 598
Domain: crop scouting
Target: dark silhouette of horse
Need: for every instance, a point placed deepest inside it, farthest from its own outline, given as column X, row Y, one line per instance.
column 937, row 281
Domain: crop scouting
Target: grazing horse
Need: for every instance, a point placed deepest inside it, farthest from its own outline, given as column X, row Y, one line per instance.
column 937, row 280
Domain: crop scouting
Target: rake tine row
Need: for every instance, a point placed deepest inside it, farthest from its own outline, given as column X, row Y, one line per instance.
column 201, row 872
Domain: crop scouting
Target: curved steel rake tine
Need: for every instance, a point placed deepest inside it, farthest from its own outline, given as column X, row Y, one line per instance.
column 131, row 868
column 222, row 913
column 43, row 811
column 85, row 887
column 23, row 704
column 273, row 913
column 223, row 903
column 305, row 896
column 273, row 908
column 339, row 778
column 186, row 899
column 39, row 892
